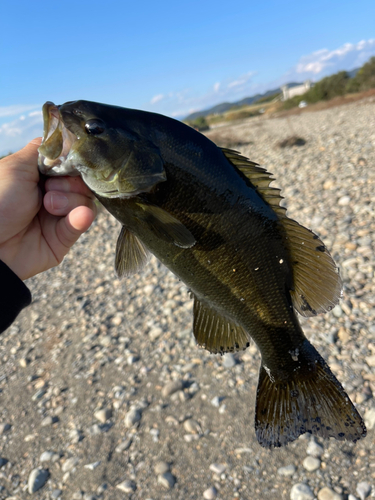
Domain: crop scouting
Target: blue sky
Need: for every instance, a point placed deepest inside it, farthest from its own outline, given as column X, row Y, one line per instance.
column 169, row 57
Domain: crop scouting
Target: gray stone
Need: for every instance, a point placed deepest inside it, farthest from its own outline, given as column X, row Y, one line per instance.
column 172, row 387
column 369, row 418
column 37, row 479
column 127, row 486
column 363, row 489
column 314, row 449
column 167, row 480
column 103, row 415
column 46, row 456
column 55, row 494
column 229, row 360
column 161, row 467
column 124, row 445
column 287, row 470
column 4, row 428
column 49, row 420
column 132, row 417
column 93, row 465
column 301, row 491
column 329, row 494
column 192, row 426
column 218, row 468
column 210, row 493
column 69, row 464
column 311, row 463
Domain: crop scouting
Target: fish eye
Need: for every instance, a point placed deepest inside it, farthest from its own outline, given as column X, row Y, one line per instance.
column 94, row 127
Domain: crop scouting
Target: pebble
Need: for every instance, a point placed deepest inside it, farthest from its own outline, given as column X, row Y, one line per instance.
column 192, row 426
column 311, row 463
column 287, row 470
column 55, row 494
column 229, row 360
column 49, row 420
column 363, row 489
column 167, row 480
column 124, row 445
column 132, row 417
column 93, row 465
column 37, row 480
column 344, row 200
column 315, row 449
column 69, row 464
column 103, row 415
column 369, row 418
column 172, row 387
column 218, row 468
column 329, row 494
column 48, row 456
column 4, row 428
column 127, row 486
column 161, row 468
column 301, row 491
column 210, row 493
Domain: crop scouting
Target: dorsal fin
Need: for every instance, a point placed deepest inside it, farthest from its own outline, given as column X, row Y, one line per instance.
column 259, row 178
column 316, row 281
column 216, row 333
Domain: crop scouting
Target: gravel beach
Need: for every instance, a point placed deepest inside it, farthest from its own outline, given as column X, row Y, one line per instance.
column 104, row 394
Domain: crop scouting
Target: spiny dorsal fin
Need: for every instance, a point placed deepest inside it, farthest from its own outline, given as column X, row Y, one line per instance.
column 259, row 178
column 167, row 227
column 317, row 284
column 131, row 255
column 215, row 332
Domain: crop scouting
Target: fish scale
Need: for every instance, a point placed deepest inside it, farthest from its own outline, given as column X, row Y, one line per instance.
column 211, row 216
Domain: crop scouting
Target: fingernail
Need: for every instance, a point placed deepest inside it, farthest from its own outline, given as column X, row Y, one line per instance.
column 58, row 201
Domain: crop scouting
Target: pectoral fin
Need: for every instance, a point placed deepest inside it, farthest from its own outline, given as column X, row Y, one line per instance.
column 131, row 255
column 167, row 227
column 216, row 333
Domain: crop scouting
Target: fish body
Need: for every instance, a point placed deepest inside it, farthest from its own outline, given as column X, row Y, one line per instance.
column 212, row 218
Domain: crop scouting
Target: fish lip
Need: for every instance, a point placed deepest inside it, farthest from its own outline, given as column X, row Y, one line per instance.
column 56, row 144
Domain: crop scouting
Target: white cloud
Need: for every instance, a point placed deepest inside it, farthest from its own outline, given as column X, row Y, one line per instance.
column 325, row 61
column 17, row 109
column 17, row 133
column 157, row 98
column 217, row 87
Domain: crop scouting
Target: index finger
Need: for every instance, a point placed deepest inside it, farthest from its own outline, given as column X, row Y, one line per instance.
column 68, row 185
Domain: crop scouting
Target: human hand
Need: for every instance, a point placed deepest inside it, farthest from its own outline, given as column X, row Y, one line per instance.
column 36, row 232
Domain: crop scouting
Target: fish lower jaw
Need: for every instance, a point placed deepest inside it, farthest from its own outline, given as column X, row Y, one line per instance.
column 57, row 167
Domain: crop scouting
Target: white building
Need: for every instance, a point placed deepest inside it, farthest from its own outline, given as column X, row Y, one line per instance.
column 288, row 93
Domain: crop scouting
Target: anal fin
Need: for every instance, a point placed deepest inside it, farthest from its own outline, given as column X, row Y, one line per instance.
column 216, row 333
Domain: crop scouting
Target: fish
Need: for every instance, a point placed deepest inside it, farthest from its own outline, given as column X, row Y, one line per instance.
column 210, row 215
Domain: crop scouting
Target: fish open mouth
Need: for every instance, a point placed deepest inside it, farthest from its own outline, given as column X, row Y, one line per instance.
column 56, row 145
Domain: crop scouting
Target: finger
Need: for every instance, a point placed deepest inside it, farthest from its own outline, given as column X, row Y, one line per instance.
column 70, row 228
column 29, row 152
column 61, row 203
column 68, row 184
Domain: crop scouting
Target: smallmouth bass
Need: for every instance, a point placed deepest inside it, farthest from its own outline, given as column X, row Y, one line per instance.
column 211, row 216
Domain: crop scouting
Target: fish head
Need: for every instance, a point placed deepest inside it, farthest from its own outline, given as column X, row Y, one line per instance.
column 95, row 141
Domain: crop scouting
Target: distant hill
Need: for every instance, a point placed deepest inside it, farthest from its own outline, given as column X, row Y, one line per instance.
column 247, row 101
column 226, row 106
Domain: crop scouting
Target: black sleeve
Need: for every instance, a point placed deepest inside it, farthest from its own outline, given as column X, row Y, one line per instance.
column 14, row 296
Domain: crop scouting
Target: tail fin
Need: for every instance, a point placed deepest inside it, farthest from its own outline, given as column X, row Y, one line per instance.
column 310, row 400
